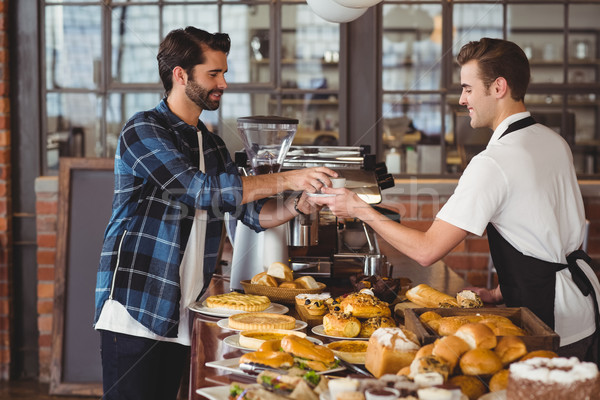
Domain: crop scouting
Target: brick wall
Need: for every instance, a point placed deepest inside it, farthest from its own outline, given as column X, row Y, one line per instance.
column 46, row 189
column 5, row 221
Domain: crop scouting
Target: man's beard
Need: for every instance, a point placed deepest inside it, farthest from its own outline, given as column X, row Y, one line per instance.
column 201, row 97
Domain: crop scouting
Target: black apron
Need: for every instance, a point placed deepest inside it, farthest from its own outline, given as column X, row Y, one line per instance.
column 526, row 281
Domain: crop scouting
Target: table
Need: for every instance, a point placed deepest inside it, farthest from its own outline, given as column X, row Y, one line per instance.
column 207, row 336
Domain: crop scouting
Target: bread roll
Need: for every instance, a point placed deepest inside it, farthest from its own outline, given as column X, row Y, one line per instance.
column 510, row 348
column 539, row 353
column 426, row 296
column 429, row 316
column 468, row 299
column 280, row 271
column 480, row 361
column 290, row 285
column 471, row 386
column 477, row 336
column 448, row 325
column 264, row 279
column 499, row 381
column 370, row 325
column 389, row 350
column 450, row 349
column 424, row 351
column 429, row 364
column 363, row 305
column 307, row 282
column 341, row 325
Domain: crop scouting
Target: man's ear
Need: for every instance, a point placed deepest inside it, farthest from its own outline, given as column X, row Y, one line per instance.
column 179, row 76
column 500, row 87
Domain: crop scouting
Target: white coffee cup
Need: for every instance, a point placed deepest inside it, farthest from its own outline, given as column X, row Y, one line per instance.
column 338, row 182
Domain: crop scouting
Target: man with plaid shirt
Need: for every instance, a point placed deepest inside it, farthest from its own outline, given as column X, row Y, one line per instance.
column 174, row 180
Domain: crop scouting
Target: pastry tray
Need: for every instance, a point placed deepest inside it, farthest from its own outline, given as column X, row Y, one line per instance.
column 539, row 335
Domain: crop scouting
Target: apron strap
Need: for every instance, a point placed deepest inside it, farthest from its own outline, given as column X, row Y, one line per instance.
column 520, row 124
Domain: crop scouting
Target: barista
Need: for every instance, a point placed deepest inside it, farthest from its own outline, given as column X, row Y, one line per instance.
column 523, row 189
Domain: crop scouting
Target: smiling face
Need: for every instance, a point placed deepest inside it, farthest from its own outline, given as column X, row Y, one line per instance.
column 206, row 82
column 478, row 99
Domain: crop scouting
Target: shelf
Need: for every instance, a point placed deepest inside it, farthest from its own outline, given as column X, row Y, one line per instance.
column 297, row 61
column 301, row 102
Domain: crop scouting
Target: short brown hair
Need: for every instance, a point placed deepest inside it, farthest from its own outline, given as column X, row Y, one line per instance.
column 499, row 58
column 185, row 48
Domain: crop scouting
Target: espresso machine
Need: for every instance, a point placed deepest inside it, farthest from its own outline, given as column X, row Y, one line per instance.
column 319, row 244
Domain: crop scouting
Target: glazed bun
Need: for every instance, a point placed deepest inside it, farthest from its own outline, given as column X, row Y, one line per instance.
column 450, row 349
column 448, row 325
column 510, row 348
column 307, row 282
column 429, row 316
column 264, row 279
column 341, row 325
column 275, row 359
column 363, row 305
column 471, row 386
column 480, row 361
column 539, row 353
column 499, row 381
column 477, row 336
column 281, row 272
column 370, row 325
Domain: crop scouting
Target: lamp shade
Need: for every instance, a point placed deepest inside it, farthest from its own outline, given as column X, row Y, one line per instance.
column 358, row 3
column 331, row 11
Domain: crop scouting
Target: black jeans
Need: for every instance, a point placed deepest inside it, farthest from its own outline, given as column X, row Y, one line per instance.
column 584, row 349
column 138, row 368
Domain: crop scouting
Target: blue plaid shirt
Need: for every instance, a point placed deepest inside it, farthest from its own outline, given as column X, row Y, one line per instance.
column 158, row 187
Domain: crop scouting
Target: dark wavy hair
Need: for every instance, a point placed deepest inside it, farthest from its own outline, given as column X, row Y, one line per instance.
column 185, row 48
column 499, row 58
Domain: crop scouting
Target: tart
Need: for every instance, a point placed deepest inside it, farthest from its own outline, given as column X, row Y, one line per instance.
column 239, row 301
column 254, row 339
column 353, row 351
column 261, row 321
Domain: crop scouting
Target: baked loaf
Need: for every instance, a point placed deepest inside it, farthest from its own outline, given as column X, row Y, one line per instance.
column 426, row 296
column 362, row 305
column 389, row 350
column 264, row 279
column 238, row 301
column 307, row 282
column 370, row 325
column 281, row 272
column 552, row 379
column 341, row 324
column 255, row 321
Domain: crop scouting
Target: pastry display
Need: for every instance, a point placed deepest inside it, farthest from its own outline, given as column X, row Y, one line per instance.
column 552, row 379
column 497, row 324
column 238, row 301
column 389, row 350
column 262, row 321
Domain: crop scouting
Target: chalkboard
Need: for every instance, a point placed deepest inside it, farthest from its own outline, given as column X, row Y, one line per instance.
column 84, row 205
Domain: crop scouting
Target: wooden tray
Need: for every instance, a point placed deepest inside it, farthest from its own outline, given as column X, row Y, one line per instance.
column 539, row 335
column 311, row 320
column 277, row 294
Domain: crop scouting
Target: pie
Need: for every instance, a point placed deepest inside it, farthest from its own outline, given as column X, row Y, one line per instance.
column 261, row 321
column 353, row 351
column 239, row 301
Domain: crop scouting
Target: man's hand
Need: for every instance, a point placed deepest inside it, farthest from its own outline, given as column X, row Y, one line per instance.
column 310, row 180
column 345, row 204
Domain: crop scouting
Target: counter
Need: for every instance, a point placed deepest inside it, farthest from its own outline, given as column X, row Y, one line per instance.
column 207, row 336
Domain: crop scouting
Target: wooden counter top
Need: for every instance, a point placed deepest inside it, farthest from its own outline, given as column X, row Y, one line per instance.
column 207, row 336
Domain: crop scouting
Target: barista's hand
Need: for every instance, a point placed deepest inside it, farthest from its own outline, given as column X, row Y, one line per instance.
column 310, row 180
column 345, row 204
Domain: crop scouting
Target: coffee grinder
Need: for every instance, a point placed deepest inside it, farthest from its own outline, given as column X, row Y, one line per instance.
column 267, row 140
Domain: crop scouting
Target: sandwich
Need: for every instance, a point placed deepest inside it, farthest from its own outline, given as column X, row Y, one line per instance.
column 308, row 355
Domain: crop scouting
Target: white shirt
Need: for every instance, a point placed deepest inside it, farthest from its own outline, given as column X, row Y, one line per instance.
column 114, row 316
column 525, row 184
